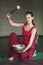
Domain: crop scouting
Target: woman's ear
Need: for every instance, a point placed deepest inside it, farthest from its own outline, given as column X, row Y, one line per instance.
column 32, row 17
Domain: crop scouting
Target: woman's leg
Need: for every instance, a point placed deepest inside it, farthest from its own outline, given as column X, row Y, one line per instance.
column 24, row 55
column 31, row 52
column 27, row 54
column 13, row 40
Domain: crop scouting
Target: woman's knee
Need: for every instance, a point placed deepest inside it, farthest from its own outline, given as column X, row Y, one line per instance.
column 12, row 34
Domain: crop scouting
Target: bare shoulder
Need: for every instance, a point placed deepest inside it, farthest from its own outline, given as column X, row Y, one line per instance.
column 34, row 30
column 22, row 24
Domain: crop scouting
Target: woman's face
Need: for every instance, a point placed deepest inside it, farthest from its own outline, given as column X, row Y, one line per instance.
column 29, row 18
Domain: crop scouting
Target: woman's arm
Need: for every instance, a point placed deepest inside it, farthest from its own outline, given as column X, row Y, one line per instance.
column 31, row 39
column 12, row 23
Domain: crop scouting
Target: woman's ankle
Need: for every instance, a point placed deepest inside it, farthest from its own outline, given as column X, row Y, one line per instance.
column 11, row 58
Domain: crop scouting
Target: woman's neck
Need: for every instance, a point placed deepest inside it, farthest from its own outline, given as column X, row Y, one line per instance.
column 30, row 25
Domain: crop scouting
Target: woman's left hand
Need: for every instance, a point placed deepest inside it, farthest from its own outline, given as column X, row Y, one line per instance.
column 24, row 51
column 21, row 51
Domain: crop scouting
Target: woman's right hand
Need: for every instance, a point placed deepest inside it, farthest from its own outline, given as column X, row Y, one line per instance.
column 8, row 15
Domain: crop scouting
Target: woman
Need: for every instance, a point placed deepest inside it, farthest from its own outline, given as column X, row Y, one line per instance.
column 29, row 32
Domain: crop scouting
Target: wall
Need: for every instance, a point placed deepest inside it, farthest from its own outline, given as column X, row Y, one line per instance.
column 18, row 16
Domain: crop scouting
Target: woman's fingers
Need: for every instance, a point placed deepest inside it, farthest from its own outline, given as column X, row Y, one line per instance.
column 8, row 15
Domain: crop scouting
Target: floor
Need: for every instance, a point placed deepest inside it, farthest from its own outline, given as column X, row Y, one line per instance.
column 16, row 62
column 37, row 60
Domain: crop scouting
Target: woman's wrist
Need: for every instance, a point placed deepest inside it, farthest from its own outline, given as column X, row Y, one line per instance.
column 24, row 50
column 8, row 18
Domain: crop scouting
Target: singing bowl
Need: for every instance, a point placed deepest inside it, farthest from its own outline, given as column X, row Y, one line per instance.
column 18, row 47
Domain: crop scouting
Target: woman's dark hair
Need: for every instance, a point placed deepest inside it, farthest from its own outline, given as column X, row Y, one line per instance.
column 31, row 13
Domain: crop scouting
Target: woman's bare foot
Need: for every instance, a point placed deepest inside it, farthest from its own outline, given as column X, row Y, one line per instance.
column 11, row 59
column 34, row 54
